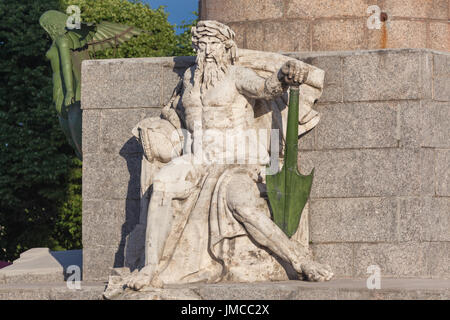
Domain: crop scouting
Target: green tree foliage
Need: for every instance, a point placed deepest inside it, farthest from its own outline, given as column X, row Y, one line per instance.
column 34, row 156
column 40, row 178
column 159, row 39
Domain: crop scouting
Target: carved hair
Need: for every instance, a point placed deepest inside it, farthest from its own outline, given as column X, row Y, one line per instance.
column 211, row 28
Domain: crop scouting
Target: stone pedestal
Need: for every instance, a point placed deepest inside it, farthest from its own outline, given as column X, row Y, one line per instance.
column 381, row 154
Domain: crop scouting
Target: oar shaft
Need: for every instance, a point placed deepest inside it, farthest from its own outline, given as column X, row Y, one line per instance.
column 291, row 150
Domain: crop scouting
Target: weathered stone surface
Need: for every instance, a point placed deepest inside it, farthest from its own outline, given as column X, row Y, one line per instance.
column 369, row 173
column 442, row 89
column 353, row 220
column 39, row 265
column 110, row 176
column 443, row 173
column 91, row 131
column 437, row 9
column 394, row 259
column 339, row 256
column 51, row 291
column 106, row 85
column 326, row 8
column 240, row 28
column 382, row 75
column 357, row 125
column 255, row 36
column 116, row 219
column 99, row 260
column 278, row 36
column 115, row 132
column 441, row 65
column 424, row 219
column 332, row 91
column 236, row 10
column 435, row 117
column 399, row 34
column 438, row 258
column 289, row 290
column 347, row 35
column 439, row 39
column 298, row 290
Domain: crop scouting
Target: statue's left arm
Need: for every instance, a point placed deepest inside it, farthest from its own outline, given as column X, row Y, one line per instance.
column 64, row 47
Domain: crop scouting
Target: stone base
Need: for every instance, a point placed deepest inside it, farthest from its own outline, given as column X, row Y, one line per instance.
column 51, row 291
column 341, row 289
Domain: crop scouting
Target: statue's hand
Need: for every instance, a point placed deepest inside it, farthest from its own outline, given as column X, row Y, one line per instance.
column 68, row 100
column 293, row 73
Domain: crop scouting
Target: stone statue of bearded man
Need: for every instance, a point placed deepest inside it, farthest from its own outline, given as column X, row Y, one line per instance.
column 207, row 218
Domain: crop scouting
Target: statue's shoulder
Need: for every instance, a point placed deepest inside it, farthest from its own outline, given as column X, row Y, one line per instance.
column 189, row 74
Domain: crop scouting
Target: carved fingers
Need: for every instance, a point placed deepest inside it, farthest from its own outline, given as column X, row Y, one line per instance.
column 293, row 72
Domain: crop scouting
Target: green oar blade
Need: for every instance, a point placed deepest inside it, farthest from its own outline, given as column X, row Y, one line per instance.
column 288, row 202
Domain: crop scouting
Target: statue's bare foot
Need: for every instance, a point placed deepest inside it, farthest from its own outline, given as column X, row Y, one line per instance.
column 141, row 279
column 314, row 271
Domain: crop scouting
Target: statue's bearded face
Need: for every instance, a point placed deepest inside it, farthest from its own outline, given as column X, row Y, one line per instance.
column 213, row 61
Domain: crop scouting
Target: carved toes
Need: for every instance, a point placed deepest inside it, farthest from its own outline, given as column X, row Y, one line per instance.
column 314, row 271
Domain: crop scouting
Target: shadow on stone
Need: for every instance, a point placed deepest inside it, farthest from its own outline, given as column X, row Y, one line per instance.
column 132, row 203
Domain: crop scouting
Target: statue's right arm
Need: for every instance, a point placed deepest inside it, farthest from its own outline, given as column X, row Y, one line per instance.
column 253, row 86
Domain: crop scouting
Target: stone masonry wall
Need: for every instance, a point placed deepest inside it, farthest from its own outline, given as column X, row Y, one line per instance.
column 324, row 25
column 381, row 192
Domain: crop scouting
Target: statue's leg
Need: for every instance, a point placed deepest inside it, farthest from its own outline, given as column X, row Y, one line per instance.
column 243, row 199
column 159, row 222
column 170, row 182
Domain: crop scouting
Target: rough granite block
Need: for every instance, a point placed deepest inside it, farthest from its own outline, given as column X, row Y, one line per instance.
column 439, row 39
column 394, row 259
column 424, row 219
column 369, row 173
column 91, row 131
column 441, row 64
column 255, row 36
column 339, row 256
column 438, row 259
column 332, row 65
column 287, row 36
column 357, row 125
column 353, row 220
column 236, row 10
column 110, row 176
column 382, row 75
column 326, row 8
column 349, row 36
column 441, row 89
column 436, row 123
column 400, row 34
column 99, row 260
column 240, row 29
column 108, row 222
column 116, row 125
column 112, row 84
column 443, row 173
column 436, row 9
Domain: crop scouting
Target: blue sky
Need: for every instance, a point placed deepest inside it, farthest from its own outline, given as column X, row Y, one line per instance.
column 178, row 10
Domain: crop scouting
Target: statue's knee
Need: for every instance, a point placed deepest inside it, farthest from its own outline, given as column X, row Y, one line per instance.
column 241, row 192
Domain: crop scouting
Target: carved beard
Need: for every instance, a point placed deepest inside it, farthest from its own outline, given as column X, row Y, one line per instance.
column 207, row 73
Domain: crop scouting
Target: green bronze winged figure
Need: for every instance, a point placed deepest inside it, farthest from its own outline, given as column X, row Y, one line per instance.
column 68, row 50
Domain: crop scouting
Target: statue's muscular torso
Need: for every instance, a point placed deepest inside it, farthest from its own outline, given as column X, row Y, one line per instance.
column 224, row 108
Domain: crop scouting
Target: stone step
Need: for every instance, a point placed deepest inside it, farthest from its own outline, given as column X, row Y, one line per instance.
column 341, row 289
column 40, row 265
